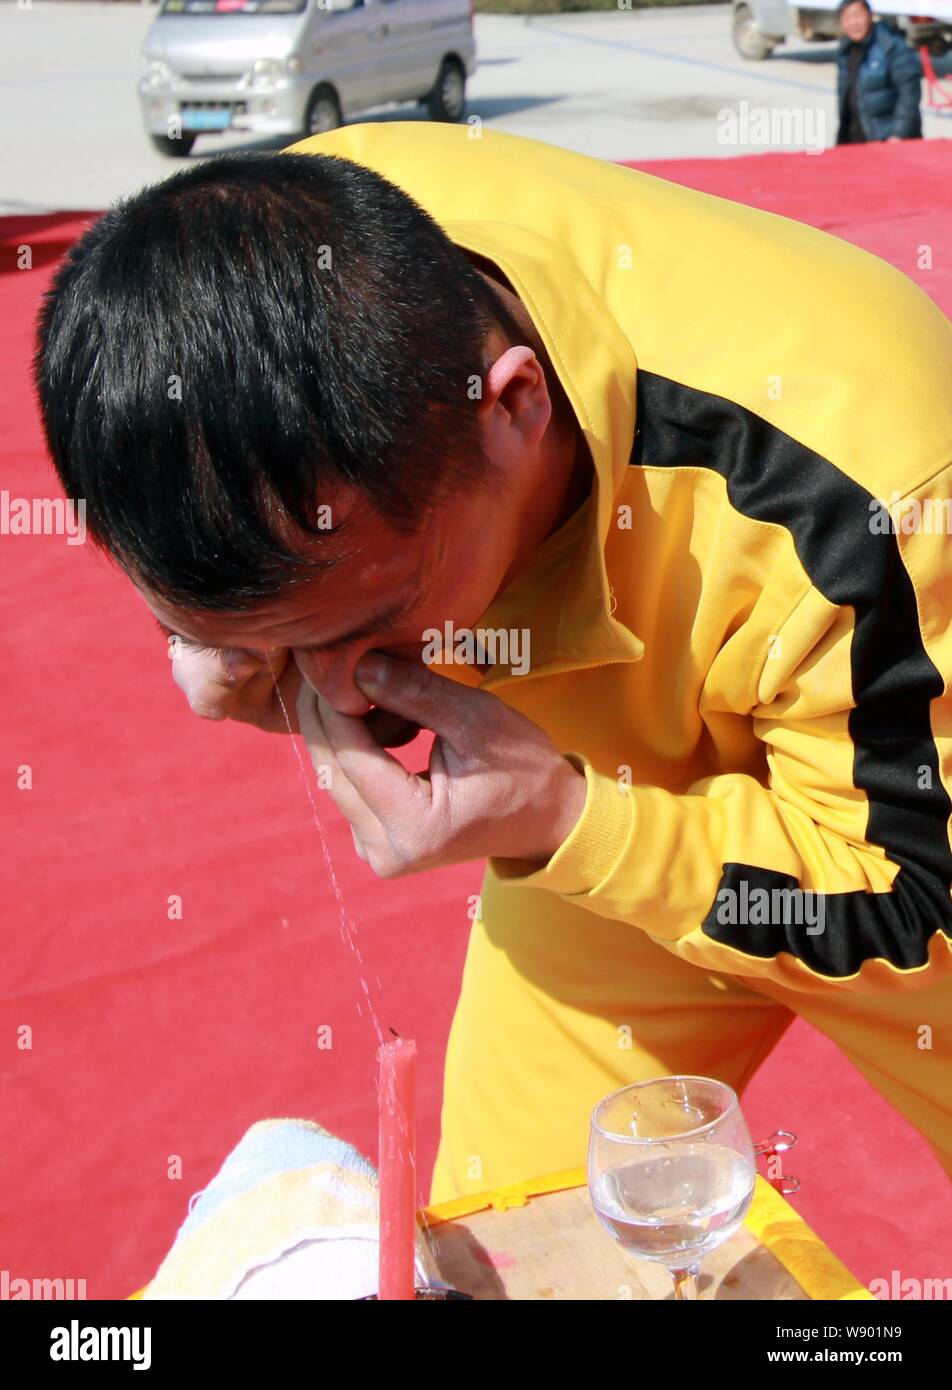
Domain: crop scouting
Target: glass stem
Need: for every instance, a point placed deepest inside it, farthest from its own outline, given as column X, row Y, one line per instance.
column 685, row 1282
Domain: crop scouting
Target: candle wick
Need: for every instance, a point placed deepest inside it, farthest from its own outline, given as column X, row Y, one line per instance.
column 394, row 1032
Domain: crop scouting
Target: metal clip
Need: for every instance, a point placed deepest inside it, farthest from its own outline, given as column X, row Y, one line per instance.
column 779, row 1142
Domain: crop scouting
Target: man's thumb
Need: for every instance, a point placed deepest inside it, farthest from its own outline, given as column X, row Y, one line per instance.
column 412, row 690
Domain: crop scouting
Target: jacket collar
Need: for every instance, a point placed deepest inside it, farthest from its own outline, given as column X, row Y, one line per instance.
column 563, row 595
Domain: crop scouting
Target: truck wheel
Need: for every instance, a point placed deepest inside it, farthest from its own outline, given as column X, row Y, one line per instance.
column 447, row 100
column 323, row 112
column 748, row 39
column 173, row 149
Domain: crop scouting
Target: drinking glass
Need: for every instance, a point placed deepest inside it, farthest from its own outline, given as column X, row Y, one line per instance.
column 671, row 1171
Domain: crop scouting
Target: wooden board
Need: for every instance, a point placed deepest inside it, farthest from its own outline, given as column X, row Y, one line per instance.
column 532, row 1242
column 540, row 1239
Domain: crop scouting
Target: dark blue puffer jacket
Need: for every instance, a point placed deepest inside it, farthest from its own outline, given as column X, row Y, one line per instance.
column 889, row 88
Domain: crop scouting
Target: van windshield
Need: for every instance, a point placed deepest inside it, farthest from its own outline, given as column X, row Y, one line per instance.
column 233, row 6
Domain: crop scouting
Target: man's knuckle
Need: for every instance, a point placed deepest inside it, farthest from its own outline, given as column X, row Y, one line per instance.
column 229, row 677
column 383, row 866
column 417, row 682
column 224, row 680
column 207, row 709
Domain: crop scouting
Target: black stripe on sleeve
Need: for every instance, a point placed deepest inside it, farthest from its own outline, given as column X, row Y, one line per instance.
column 771, row 477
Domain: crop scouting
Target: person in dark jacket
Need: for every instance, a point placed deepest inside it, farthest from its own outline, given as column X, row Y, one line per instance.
column 878, row 80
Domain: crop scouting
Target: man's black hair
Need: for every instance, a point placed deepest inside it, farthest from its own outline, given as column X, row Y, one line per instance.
column 845, row 4
column 219, row 351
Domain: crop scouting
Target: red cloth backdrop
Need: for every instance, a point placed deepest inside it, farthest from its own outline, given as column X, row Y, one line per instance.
column 157, row 1041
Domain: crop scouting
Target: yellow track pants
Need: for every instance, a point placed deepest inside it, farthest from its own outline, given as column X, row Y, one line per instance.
column 555, row 1013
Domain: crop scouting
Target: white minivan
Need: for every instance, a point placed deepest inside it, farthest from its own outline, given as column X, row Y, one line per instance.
column 298, row 67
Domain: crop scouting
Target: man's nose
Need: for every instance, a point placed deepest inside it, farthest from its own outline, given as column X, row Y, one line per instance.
column 331, row 674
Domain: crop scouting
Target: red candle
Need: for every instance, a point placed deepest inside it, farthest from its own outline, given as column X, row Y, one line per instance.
column 397, row 1168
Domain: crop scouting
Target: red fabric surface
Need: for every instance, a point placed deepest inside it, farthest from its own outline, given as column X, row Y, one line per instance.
column 156, row 1039
column 890, row 199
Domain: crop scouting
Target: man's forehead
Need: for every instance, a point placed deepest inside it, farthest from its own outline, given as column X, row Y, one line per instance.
column 367, row 584
column 298, row 601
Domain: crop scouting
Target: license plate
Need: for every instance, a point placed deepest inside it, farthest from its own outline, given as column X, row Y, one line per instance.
column 205, row 120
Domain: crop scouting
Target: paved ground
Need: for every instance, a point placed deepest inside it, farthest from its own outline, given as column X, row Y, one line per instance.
column 635, row 84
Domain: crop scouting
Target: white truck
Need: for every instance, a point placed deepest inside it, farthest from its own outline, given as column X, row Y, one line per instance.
column 760, row 25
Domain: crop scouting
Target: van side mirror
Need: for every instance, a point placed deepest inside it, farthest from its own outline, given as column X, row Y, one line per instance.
column 335, row 6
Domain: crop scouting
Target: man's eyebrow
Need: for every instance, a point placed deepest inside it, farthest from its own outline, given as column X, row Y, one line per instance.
column 169, row 634
column 367, row 629
column 389, row 615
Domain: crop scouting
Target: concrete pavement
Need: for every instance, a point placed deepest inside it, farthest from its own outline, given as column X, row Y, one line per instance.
column 627, row 84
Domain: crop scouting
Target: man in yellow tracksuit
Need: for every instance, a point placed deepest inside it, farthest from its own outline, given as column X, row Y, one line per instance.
column 746, row 642
column 740, row 637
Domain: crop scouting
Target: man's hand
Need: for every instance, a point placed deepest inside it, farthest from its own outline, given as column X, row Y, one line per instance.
column 232, row 683
column 496, row 783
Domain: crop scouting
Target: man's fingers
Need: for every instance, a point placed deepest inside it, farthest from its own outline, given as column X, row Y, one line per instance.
column 258, row 688
column 381, row 781
column 279, row 700
column 312, row 731
column 390, row 730
column 212, row 680
column 414, row 691
column 330, row 775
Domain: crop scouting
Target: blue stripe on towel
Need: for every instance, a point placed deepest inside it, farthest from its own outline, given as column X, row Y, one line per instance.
column 266, row 1149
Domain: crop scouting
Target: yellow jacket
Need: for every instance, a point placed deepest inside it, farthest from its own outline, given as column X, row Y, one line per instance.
column 744, row 639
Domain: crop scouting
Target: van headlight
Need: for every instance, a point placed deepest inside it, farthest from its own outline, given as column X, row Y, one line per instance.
column 269, row 71
column 155, row 74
